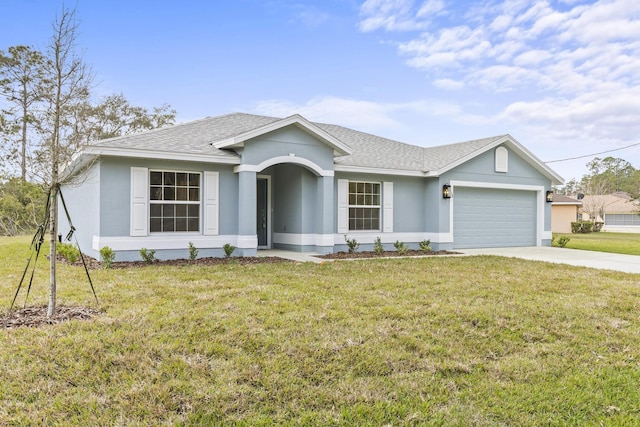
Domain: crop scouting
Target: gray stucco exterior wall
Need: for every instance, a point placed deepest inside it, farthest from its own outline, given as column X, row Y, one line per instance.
column 83, row 202
column 303, row 199
column 285, row 143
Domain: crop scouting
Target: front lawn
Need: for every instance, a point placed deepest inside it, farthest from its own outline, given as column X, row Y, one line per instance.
column 485, row 341
column 606, row 241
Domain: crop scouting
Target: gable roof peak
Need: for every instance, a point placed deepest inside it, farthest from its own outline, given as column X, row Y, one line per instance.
column 238, row 140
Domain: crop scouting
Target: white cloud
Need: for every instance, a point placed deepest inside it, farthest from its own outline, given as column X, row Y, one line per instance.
column 532, row 57
column 430, row 7
column 367, row 116
column 348, row 112
column 569, row 71
column 448, row 84
column 398, row 15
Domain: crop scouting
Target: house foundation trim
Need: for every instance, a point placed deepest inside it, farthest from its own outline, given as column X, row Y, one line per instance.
column 129, row 243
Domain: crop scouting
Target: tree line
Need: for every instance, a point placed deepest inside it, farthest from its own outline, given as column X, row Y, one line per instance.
column 47, row 113
column 606, row 176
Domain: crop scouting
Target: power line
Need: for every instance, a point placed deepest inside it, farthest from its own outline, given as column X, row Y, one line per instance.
column 594, row 154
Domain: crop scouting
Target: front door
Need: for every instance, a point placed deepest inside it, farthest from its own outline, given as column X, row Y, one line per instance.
column 262, row 219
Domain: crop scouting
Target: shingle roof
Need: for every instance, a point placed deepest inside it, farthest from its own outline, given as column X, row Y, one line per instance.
column 193, row 137
column 561, row 198
column 369, row 151
column 612, row 203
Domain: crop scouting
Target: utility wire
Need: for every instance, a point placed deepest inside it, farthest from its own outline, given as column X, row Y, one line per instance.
column 594, row 154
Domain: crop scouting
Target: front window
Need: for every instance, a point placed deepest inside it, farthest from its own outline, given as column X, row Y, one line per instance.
column 175, row 201
column 364, row 205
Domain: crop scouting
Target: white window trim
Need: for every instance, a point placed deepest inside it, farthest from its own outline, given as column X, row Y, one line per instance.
column 139, row 204
column 387, row 213
column 378, row 206
column 175, row 202
column 210, row 203
column 386, row 208
column 343, row 206
column 140, row 200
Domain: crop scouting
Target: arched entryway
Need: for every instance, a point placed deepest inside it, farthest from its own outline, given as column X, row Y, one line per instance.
column 292, row 207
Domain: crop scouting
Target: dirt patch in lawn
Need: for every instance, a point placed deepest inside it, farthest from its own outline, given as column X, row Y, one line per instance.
column 385, row 254
column 37, row 316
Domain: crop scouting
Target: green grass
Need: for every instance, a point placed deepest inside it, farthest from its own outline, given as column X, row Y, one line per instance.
column 619, row 243
column 484, row 341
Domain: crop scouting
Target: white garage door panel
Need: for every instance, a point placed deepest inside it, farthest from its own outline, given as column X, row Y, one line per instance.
column 487, row 218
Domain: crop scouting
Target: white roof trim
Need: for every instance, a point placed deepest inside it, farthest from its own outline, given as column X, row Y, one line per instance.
column 339, row 148
column 378, row 171
column 514, row 145
column 153, row 154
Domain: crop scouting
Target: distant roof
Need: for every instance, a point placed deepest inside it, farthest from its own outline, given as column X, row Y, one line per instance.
column 355, row 149
column 565, row 200
column 612, row 203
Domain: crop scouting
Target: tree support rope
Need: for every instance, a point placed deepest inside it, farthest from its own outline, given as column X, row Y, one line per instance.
column 36, row 245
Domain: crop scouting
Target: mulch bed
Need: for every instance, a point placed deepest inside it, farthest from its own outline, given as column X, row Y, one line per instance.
column 385, row 254
column 37, row 316
column 94, row 264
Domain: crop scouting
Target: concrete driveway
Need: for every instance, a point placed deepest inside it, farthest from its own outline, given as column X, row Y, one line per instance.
column 600, row 260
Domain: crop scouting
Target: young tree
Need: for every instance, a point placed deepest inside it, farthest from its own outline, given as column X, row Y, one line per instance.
column 50, row 97
column 21, row 75
column 69, row 82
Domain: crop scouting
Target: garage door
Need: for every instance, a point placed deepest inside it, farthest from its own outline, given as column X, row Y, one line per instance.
column 490, row 218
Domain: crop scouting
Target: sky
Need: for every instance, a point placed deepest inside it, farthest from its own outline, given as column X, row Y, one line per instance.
column 562, row 77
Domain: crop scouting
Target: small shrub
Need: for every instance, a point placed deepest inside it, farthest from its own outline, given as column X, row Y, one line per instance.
column 352, row 244
column 148, row 256
column 560, row 241
column 228, row 249
column 401, row 247
column 68, row 252
column 107, row 255
column 193, row 251
column 425, row 246
column 581, row 227
column 378, row 248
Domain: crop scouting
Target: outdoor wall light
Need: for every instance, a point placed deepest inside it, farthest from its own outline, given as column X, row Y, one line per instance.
column 446, row 191
column 549, row 196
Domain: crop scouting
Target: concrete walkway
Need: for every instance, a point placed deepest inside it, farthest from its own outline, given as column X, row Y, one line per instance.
column 599, row 260
column 293, row 256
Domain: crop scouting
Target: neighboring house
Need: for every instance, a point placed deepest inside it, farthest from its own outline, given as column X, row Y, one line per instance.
column 564, row 211
column 263, row 182
column 618, row 211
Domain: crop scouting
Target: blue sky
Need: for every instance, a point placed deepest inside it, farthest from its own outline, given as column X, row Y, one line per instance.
column 562, row 77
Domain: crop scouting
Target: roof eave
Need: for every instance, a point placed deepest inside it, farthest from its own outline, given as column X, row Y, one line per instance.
column 158, row 154
column 379, row 171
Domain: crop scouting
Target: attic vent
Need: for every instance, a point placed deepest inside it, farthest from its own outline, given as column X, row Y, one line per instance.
column 502, row 160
